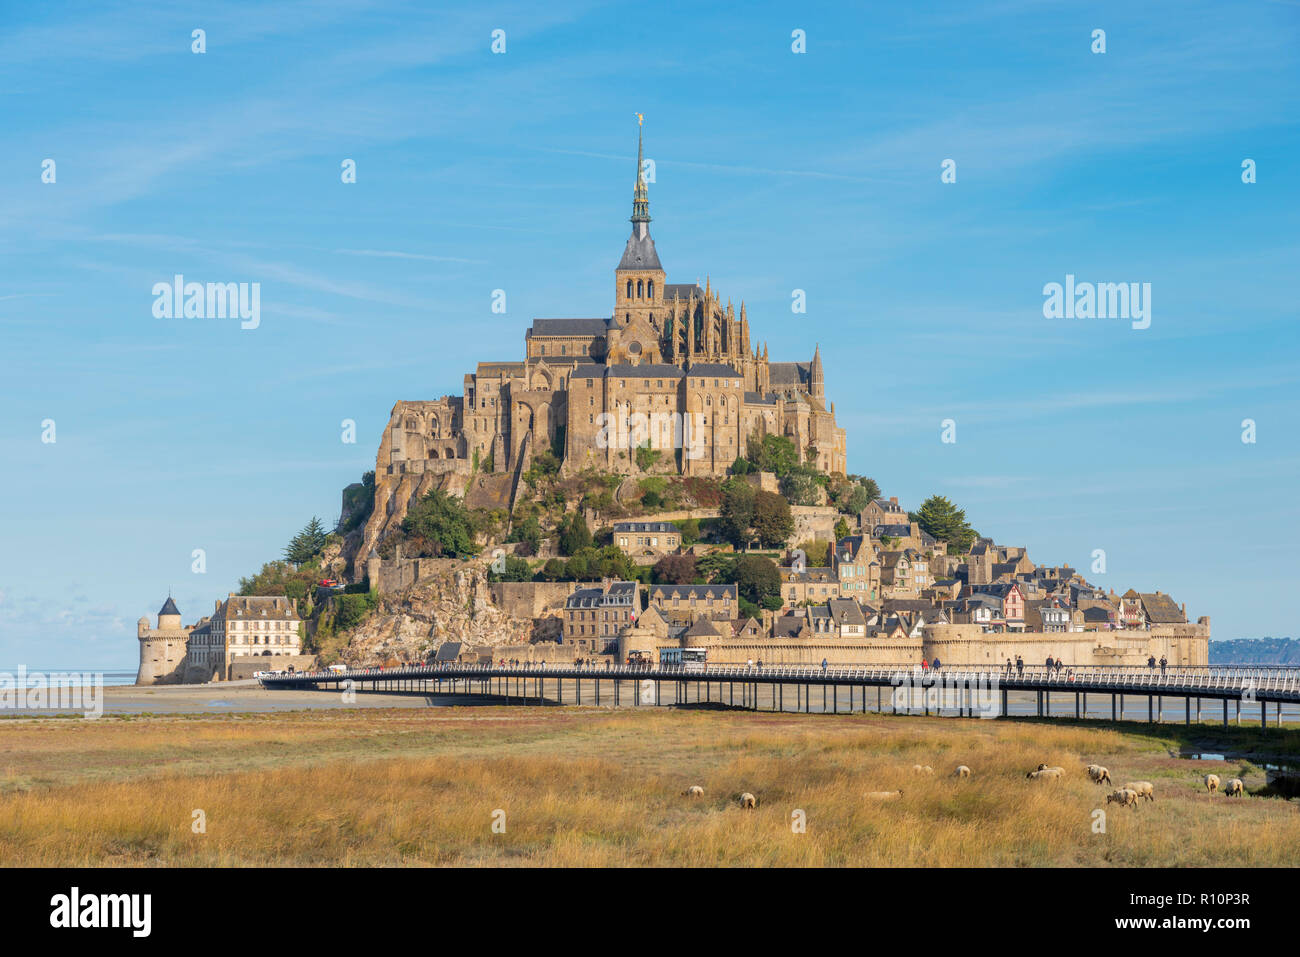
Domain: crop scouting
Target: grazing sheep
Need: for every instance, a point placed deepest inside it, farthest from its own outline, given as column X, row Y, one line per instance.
column 1144, row 789
column 748, row 800
column 1124, row 797
column 1211, row 783
column 883, row 795
column 1099, row 775
column 1046, row 774
column 961, row 772
column 694, row 791
column 1235, row 787
column 922, row 769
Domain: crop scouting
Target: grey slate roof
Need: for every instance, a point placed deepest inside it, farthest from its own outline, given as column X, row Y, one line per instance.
column 169, row 607
column 698, row 591
column 715, row 369
column 644, row 527
column 567, row 327
column 788, row 373
column 1161, row 609
column 639, row 253
column 682, row 290
column 755, row 398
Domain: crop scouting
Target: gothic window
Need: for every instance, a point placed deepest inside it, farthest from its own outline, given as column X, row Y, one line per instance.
column 638, row 288
column 650, row 288
column 541, row 350
column 629, row 289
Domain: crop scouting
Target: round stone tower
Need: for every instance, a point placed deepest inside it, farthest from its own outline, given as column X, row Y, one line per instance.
column 162, row 649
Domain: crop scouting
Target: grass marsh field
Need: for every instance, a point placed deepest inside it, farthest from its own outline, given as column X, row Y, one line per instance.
column 590, row 787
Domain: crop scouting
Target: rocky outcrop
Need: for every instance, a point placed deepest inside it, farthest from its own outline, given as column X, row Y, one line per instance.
column 454, row 603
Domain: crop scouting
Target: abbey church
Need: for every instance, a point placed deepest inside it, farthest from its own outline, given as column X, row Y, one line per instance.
column 666, row 349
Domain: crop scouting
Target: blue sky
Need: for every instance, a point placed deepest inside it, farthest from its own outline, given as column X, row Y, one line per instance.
column 775, row 171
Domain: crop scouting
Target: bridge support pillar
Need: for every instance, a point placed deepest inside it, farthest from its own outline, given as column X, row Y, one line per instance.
column 1151, row 703
column 1076, row 704
column 1004, row 702
column 880, row 707
column 1225, row 712
column 1121, row 707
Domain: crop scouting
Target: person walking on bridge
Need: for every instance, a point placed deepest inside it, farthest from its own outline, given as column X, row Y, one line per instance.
column 1020, row 666
column 1049, row 664
column 1151, row 662
column 925, row 663
column 1164, row 663
column 1008, row 667
column 935, row 666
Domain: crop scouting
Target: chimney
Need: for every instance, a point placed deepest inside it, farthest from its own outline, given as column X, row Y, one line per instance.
column 894, row 499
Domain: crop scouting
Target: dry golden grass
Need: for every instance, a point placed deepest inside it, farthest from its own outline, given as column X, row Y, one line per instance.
column 581, row 787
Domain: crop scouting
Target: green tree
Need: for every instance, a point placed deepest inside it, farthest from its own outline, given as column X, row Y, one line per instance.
column 736, row 515
column 307, row 544
column 773, row 453
column 800, row 486
column 756, row 578
column 574, row 534
column 715, row 567
column 773, row 522
column 841, row 529
column 945, row 521
column 529, row 534
column 690, row 529
column 516, row 570
column 442, row 522
column 868, row 485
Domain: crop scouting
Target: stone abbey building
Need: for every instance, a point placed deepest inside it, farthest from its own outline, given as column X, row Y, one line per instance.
column 672, row 355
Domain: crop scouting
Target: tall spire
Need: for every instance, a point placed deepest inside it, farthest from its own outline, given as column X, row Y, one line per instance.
column 641, row 196
column 639, row 254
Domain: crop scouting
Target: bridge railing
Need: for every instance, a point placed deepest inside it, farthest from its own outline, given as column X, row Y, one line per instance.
column 1129, row 678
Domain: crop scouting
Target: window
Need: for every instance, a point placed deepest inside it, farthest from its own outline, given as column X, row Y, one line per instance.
column 650, row 287
column 638, row 288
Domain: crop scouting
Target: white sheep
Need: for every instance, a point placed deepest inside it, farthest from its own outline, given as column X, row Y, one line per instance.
column 1124, row 797
column 961, row 772
column 922, row 769
column 1235, row 787
column 883, row 795
column 748, row 800
column 694, row 791
column 1098, row 775
column 1211, row 783
column 1144, row 789
column 1046, row 774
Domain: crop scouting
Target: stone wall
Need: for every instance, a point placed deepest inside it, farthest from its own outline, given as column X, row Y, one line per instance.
column 814, row 522
column 532, row 599
column 245, row 666
column 967, row 645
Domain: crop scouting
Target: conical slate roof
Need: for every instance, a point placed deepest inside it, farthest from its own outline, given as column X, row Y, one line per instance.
column 169, row 607
column 639, row 253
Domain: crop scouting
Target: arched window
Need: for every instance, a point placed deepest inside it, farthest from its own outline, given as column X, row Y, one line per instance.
column 638, row 288
column 629, row 289
column 650, row 288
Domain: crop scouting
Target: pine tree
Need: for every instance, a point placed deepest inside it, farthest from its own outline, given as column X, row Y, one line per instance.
column 307, row 544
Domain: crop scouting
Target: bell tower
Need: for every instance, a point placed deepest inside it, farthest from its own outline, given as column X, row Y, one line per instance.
column 639, row 279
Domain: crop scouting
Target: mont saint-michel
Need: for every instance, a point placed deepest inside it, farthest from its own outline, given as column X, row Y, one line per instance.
column 641, row 486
